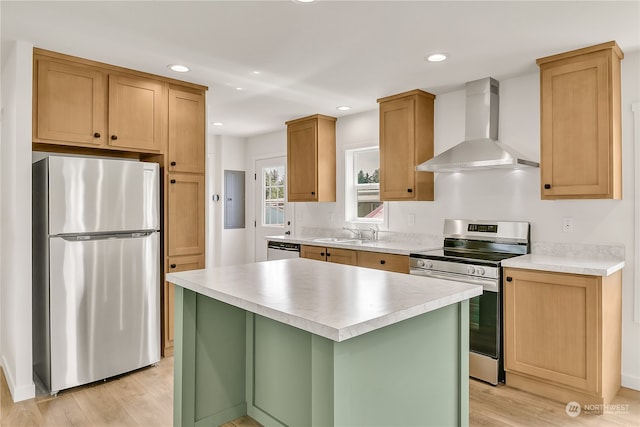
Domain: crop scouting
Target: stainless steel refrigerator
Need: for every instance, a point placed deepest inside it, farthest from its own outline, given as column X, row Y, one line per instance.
column 96, row 269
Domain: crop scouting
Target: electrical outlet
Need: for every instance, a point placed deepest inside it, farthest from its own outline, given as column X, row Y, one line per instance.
column 567, row 224
column 411, row 219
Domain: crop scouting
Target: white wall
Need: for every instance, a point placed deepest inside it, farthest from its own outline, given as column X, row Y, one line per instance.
column 229, row 246
column 15, row 224
column 502, row 194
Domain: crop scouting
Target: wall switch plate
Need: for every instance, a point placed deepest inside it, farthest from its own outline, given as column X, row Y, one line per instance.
column 567, row 224
column 411, row 219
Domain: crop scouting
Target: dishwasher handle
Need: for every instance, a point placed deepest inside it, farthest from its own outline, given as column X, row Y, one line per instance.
column 284, row 246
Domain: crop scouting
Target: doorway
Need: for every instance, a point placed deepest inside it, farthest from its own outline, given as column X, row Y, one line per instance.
column 273, row 215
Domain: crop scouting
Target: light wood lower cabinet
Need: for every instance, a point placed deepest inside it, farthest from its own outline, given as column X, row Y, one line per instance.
column 562, row 334
column 377, row 260
column 336, row 255
column 384, row 261
column 174, row 265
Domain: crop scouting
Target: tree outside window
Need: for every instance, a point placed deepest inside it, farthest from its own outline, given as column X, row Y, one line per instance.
column 367, row 184
column 273, row 201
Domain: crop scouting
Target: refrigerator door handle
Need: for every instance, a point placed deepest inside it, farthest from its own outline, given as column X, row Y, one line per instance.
column 104, row 236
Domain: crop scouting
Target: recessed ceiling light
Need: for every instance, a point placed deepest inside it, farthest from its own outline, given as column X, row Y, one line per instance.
column 437, row 57
column 239, row 88
column 343, row 108
column 255, row 73
column 178, row 68
column 304, row 1
column 217, row 123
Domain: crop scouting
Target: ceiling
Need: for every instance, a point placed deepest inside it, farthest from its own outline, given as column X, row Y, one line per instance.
column 293, row 59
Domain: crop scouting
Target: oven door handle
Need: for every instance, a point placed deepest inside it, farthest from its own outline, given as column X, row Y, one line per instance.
column 488, row 285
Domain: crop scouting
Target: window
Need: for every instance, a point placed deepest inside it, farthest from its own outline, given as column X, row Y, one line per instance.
column 362, row 195
column 273, row 197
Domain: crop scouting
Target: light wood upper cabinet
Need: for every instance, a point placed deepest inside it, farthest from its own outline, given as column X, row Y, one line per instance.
column 80, row 105
column 137, row 113
column 186, row 131
column 70, row 104
column 562, row 334
column 580, row 129
column 311, row 159
column 185, row 214
column 406, row 140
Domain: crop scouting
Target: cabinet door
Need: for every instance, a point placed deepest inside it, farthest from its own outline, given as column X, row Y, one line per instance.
column 382, row 261
column 397, row 162
column 137, row 113
column 186, row 131
column 302, row 161
column 185, row 214
column 174, row 265
column 342, row 256
column 71, row 104
column 313, row 252
column 576, row 131
column 551, row 327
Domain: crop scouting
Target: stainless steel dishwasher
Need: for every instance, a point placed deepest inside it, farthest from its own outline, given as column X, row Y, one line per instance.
column 282, row 250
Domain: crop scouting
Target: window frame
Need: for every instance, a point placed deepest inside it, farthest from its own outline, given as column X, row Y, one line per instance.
column 351, row 186
column 264, row 187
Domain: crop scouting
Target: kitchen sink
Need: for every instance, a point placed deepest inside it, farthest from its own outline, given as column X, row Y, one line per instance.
column 338, row 240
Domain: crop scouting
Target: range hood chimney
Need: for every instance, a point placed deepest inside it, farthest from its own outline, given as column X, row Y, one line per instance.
column 481, row 148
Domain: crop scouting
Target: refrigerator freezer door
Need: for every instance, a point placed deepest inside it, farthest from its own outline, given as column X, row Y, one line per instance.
column 104, row 307
column 102, row 195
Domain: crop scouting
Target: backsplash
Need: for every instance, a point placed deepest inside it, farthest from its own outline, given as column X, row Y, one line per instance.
column 578, row 250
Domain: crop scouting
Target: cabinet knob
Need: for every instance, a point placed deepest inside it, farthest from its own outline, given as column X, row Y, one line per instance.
column 173, row 266
column 173, row 163
column 313, row 193
column 547, row 186
column 321, row 253
column 114, row 137
column 509, row 279
column 96, row 135
column 409, row 190
column 173, row 181
column 382, row 261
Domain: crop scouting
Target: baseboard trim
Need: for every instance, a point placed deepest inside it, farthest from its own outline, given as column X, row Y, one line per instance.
column 629, row 381
column 20, row 393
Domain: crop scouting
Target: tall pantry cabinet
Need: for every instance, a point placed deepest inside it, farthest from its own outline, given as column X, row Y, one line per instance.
column 90, row 108
column 185, row 193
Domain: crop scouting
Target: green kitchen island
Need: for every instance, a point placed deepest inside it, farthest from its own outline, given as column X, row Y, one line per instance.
column 300, row 343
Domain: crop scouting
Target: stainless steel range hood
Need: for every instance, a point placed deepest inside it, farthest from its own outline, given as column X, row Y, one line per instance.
column 481, row 148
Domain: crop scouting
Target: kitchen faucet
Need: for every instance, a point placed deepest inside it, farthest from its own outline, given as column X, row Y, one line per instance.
column 356, row 232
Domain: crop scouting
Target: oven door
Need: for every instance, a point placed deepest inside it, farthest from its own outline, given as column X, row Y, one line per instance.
column 484, row 324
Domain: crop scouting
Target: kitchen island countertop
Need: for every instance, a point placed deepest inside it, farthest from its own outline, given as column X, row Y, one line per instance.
column 334, row 301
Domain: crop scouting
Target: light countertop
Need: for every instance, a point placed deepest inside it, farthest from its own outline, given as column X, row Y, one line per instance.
column 576, row 265
column 334, row 301
column 384, row 246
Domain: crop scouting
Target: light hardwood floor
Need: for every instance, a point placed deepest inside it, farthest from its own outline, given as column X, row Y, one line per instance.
column 145, row 398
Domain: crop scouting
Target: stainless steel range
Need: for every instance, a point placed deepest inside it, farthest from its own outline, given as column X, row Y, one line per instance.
column 472, row 253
